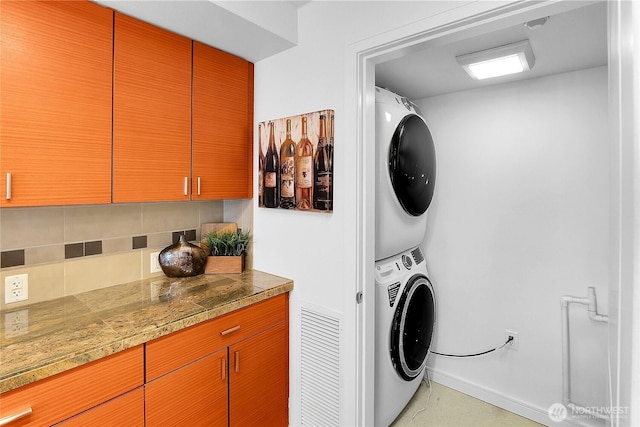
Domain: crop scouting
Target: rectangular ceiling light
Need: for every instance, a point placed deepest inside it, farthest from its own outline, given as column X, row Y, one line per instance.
column 498, row 61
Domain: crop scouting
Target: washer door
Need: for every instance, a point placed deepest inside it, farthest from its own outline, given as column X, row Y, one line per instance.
column 412, row 328
column 412, row 164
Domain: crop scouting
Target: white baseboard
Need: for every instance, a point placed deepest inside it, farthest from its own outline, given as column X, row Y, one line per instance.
column 537, row 414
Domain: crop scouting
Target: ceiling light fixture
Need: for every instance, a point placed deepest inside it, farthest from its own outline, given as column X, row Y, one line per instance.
column 536, row 24
column 498, row 61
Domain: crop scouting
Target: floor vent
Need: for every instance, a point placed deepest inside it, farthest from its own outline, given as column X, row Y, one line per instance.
column 320, row 369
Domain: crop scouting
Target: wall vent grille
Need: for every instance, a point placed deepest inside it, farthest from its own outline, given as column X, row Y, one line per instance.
column 320, row 369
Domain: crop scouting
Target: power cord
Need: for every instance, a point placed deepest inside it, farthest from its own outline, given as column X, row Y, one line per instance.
column 427, row 381
column 475, row 354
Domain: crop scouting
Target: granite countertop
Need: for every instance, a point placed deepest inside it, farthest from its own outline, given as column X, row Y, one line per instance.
column 67, row 332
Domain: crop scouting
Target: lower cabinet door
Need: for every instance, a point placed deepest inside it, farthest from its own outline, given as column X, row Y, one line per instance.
column 125, row 410
column 194, row 395
column 259, row 379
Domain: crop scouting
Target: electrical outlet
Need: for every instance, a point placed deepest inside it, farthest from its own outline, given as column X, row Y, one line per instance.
column 16, row 323
column 513, row 344
column 16, row 288
column 154, row 263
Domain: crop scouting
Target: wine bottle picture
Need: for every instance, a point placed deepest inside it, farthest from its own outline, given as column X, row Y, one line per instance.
column 295, row 162
column 271, row 173
column 287, row 171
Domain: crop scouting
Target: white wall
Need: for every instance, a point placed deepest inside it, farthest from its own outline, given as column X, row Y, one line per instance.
column 318, row 250
column 520, row 218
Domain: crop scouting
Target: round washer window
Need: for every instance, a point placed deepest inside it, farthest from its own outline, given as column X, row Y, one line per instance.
column 412, row 165
column 412, row 328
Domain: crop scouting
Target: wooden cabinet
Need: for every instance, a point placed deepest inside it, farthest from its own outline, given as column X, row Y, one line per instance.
column 126, row 410
column 97, row 107
column 157, row 156
column 193, row 395
column 259, row 379
column 230, row 371
column 69, row 393
column 222, row 125
column 243, row 353
column 55, row 108
column 151, row 113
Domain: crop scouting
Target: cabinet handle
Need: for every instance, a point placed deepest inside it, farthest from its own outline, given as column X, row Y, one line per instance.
column 236, row 361
column 11, row 418
column 8, row 185
column 230, row 330
column 223, row 368
column 198, row 186
column 186, row 185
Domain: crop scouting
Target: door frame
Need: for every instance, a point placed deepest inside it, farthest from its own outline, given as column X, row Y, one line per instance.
column 463, row 22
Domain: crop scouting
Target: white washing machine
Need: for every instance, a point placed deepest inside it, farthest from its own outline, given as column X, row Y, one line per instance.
column 406, row 174
column 405, row 316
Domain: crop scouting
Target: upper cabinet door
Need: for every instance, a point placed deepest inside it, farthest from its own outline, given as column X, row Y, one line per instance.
column 222, row 125
column 55, row 107
column 151, row 113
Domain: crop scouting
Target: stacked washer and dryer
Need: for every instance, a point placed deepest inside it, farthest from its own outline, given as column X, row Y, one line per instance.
column 405, row 300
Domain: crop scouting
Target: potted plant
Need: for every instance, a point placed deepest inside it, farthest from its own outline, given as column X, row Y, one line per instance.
column 227, row 251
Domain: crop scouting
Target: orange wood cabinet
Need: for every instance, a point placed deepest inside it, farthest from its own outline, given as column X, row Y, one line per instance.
column 55, row 107
column 222, row 125
column 259, row 379
column 193, row 395
column 126, row 410
column 69, row 393
column 243, row 353
column 97, row 107
column 151, row 113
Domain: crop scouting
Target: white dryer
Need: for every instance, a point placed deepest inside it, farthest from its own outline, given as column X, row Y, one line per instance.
column 406, row 174
column 405, row 316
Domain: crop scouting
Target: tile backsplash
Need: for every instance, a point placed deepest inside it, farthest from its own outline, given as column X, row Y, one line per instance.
column 71, row 249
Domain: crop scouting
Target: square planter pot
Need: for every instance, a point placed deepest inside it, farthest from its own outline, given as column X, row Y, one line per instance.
column 224, row 264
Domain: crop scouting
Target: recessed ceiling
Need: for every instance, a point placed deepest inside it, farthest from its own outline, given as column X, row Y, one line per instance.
column 569, row 41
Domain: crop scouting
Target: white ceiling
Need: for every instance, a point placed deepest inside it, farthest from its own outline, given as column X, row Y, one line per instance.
column 250, row 29
column 569, row 41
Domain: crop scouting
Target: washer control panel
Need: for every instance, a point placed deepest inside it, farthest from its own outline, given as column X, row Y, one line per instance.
column 390, row 269
column 387, row 271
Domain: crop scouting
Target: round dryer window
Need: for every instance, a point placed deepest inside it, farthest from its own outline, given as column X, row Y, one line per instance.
column 412, row 164
column 412, row 328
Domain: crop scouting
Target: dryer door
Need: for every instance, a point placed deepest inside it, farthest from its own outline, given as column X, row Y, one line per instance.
column 412, row 328
column 412, row 164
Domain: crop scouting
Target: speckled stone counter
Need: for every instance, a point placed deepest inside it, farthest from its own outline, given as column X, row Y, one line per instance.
column 70, row 331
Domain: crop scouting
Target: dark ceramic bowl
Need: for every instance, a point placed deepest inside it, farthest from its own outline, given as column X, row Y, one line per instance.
column 182, row 259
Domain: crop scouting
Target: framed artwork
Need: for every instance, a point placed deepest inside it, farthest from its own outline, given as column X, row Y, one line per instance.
column 295, row 162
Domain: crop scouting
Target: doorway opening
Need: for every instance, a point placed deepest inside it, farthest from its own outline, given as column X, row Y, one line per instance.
column 380, row 62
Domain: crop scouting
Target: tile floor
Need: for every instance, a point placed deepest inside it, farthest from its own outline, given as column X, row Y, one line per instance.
column 446, row 407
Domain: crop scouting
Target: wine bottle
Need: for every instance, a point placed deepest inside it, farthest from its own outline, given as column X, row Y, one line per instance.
column 271, row 173
column 330, row 155
column 304, row 169
column 287, row 168
column 323, row 171
column 260, row 169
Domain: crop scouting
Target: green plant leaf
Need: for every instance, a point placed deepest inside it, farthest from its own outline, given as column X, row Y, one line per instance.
column 227, row 243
